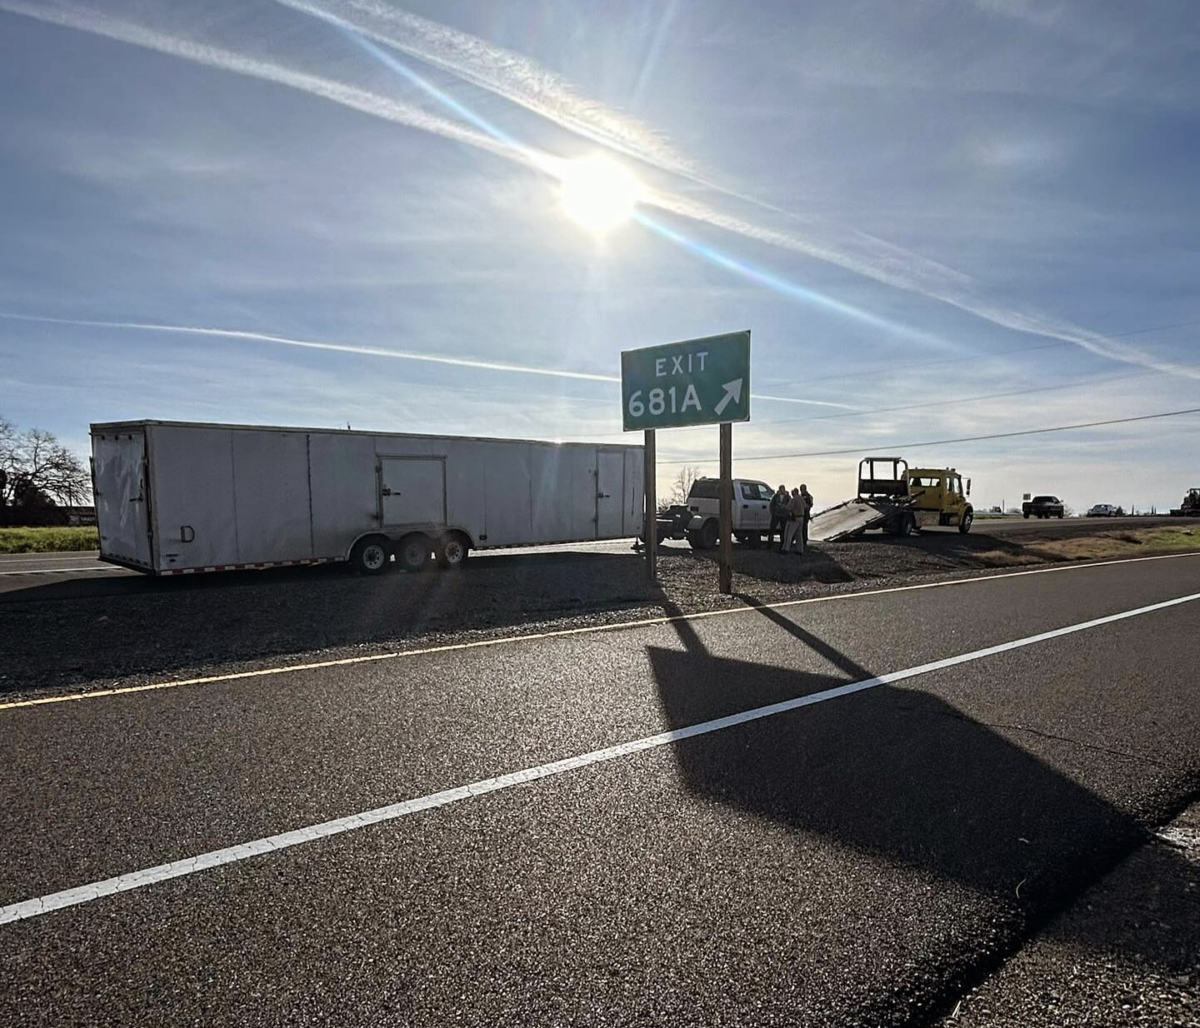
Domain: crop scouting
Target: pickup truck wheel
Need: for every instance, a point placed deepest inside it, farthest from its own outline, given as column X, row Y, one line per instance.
column 710, row 533
column 1027, row 515
column 452, row 551
column 371, row 556
column 964, row 523
column 412, row 552
column 752, row 540
column 1060, row 514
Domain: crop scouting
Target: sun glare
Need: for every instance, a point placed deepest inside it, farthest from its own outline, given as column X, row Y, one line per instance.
column 598, row 193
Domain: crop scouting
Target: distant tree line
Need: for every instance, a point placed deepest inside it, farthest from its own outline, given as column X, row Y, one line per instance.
column 39, row 477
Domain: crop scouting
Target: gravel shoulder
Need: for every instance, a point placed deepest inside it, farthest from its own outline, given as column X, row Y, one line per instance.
column 73, row 635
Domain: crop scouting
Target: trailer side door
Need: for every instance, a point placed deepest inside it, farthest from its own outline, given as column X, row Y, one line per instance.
column 610, row 494
column 412, row 491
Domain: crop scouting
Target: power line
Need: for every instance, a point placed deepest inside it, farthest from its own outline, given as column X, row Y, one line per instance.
column 947, row 442
column 1079, row 383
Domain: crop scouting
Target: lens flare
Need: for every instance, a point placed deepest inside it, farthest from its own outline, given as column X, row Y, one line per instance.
column 598, row 193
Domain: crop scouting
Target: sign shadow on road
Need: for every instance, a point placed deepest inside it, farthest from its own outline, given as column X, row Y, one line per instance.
column 895, row 773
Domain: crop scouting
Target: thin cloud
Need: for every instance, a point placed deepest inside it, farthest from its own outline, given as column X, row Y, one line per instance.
column 509, row 73
column 504, row 72
column 243, row 64
column 358, row 348
column 314, row 344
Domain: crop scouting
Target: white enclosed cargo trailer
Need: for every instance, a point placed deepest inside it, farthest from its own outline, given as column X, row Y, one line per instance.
column 176, row 498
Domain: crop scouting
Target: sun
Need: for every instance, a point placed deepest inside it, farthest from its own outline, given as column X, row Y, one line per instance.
column 598, row 193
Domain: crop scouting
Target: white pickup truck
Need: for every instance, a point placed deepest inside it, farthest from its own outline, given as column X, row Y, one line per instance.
column 751, row 512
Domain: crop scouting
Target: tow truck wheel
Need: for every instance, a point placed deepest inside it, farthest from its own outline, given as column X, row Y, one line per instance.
column 906, row 526
column 964, row 524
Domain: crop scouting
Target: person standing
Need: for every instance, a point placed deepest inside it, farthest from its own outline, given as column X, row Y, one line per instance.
column 808, row 506
column 779, row 515
column 795, row 525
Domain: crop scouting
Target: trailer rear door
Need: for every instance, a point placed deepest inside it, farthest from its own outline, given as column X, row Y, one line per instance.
column 122, row 495
column 412, row 490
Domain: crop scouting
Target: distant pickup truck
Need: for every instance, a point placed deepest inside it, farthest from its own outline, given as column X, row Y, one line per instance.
column 1043, row 507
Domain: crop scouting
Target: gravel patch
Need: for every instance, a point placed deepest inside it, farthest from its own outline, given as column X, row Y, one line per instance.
column 59, row 638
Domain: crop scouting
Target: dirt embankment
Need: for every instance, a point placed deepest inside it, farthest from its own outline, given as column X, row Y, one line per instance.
column 73, row 635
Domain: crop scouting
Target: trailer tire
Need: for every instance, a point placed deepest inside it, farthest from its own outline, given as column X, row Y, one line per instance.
column 412, row 552
column 964, row 523
column 452, row 550
column 371, row 556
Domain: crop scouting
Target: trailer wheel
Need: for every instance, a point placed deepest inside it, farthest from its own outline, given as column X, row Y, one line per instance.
column 964, row 523
column 412, row 552
column 371, row 556
column 710, row 533
column 452, row 551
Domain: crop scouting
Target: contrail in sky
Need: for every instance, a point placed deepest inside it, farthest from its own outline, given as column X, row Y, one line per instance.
column 228, row 60
column 358, row 348
column 523, row 81
column 315, row 344
column 506, row 73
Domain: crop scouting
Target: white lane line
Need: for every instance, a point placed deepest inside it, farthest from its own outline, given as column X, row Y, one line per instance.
column 509, row 640
column 270, row 844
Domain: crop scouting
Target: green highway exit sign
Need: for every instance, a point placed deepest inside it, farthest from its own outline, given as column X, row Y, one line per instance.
column 696, row 382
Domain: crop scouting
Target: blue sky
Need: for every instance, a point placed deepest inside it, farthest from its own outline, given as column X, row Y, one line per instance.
column 986, row 207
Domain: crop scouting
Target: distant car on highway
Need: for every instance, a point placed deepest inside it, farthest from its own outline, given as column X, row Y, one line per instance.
column 1102, row 510
column 1043, row 507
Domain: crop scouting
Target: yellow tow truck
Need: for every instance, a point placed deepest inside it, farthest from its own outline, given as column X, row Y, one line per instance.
column 899, row 500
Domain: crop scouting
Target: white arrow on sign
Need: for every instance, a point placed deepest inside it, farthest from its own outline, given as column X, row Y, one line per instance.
column 733, row 392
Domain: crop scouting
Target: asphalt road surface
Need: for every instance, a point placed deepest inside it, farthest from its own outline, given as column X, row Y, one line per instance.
column 844, row 811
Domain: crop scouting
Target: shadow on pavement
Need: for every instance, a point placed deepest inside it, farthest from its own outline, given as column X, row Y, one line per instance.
column 893, row 772
column 122, row 625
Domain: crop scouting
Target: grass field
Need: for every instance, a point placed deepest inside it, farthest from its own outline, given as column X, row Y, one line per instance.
column 47, row 540
column 1134, row 542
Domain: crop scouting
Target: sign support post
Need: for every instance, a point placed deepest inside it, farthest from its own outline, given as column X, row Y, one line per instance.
column 650, row 490
column 725, row 568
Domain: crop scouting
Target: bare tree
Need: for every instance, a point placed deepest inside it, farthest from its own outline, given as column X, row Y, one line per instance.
column 682, row 485
column 35, row 468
